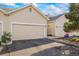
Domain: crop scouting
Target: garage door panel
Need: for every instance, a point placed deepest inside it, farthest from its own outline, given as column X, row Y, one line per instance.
column 27, row 32
column 0, row 29
column 59, row 31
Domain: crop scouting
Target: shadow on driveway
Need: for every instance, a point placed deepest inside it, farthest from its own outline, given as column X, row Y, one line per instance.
column 59, row 51
column 24, row 44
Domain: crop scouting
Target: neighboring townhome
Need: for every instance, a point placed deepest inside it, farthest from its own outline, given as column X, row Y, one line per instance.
column 24, row 23
column 55, row 26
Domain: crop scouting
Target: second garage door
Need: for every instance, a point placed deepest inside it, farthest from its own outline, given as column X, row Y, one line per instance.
column 28, row 31
column 59, row 31
column 1, row 29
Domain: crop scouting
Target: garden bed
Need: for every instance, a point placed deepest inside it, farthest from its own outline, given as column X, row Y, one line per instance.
column 68, row 41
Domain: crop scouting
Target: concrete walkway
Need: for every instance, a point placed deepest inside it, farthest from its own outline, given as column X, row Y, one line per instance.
column 33, row 50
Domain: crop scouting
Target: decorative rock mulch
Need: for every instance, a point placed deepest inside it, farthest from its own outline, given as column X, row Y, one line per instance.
column 5, row 49
column 65, row 41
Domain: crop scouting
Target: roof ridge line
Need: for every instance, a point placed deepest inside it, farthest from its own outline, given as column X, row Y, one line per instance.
column 2, row 10
column 38, row 10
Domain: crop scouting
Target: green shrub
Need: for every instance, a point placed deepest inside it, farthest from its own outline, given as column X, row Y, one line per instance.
column 77, row 39
column 5, row 37
column 74, row 39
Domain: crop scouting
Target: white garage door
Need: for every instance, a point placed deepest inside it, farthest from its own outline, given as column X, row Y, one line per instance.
column 0, row 29
column 59, row 31
column 25, row 31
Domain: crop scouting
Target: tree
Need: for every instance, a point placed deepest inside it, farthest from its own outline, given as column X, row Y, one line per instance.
column 73, row 18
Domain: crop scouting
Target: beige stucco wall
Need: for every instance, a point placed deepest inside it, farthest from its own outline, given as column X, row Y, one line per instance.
column 51, row 28
column 3, row 19
column 24, row 16
column 0, row 29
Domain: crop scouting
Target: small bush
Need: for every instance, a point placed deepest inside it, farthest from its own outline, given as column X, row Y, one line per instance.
column 5, row 37
column 74, row 39
column 77, row 40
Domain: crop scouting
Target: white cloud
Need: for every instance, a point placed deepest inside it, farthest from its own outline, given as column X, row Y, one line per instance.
column 55, row 9
column 63, row 4
column 11, row 4
column 47, row 12
column 34, row 4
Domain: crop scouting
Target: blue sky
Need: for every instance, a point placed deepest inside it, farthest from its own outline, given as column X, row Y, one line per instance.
column 53, row 9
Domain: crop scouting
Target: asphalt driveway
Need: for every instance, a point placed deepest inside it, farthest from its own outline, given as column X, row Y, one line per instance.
column 40, row 47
